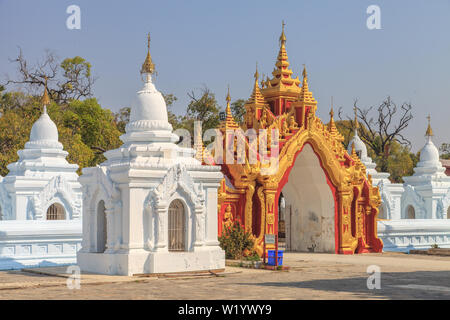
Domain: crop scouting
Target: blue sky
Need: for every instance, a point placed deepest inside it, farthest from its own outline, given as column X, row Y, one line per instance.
column 216, row 43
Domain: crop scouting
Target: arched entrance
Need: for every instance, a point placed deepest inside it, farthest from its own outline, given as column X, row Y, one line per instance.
column 101, row 227
column 56, row 212
column 309, row 206
column 177, row 226
column 410, row 212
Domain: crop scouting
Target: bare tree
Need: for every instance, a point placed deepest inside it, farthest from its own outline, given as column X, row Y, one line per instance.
column 68, row 80
column 378, row 131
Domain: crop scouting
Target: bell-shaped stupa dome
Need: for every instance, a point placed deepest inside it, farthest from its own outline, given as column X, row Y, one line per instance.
column 360, row 146
column 429, row 155
column 44, row 133
column 148, row 116
column 429, row 169
column 44, row 128
column 43, row 154
column 149, row 103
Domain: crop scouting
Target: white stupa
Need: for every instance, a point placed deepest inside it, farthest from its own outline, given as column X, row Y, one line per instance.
column 429, row 182
column 42, row 176
column 417, row 212
column 151, row 207
column 40, row 202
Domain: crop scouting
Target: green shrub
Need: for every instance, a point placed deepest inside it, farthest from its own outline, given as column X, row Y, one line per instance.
column 235, row 240
column 253, row 257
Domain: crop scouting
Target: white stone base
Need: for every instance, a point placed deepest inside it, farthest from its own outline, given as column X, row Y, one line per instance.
column 143, row 262
column 412, row 234
column 32, row 243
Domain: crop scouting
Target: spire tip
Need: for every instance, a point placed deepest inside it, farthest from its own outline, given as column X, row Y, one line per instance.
column 148, row 66
column 429, row 132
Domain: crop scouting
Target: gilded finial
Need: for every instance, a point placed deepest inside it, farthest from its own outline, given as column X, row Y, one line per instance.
column 148, row 65
column 331, row 111
column 355, row 109
column 45, row 98
column 228, row 98
column 256, row 75
column 282, row 36
column 304, row 73
column 429, row 132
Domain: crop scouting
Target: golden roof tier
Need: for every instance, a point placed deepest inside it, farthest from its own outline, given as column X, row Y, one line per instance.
column 282, row 82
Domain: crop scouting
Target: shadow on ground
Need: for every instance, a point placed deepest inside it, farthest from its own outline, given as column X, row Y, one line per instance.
column 394, row 285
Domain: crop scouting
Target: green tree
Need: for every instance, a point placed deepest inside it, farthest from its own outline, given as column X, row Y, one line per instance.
column 96, row 126
column 202, row 108
column 68, row 80
column 345, row 129
column 235, row 241
column 85, row 129
column 238, row 110
column 381, row 129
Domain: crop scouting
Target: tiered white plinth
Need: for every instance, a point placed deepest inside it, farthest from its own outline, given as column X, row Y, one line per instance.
column 137, row 184
column 426, row 196
column 40, row 178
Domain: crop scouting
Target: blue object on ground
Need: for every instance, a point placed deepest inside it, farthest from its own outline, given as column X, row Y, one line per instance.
column 271, row 257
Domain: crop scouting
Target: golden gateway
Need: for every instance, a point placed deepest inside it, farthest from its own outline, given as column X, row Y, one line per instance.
column 332, row 204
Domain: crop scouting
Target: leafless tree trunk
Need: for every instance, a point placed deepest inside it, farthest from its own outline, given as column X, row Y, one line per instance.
column 386, row 125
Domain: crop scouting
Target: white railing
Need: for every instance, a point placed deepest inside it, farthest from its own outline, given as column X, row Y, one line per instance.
column 35, row 243
column 409, row 234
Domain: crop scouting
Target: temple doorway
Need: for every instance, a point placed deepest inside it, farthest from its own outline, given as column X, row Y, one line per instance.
column 101, row 227
column 307, row 207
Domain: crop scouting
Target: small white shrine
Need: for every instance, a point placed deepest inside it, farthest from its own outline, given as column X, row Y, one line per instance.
column 414, row 214
column 361, row 151
column 40, row 202
column 151, row 207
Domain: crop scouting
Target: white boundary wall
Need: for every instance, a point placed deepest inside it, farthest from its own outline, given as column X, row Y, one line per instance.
column 410, row 234
column 34, row 243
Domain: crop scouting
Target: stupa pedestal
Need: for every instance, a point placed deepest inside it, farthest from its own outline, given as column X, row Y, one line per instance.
column 151, row 207
column 417, row 211
column 40, row 203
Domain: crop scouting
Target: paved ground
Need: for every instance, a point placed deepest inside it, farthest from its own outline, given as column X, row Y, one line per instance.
column 312, row 276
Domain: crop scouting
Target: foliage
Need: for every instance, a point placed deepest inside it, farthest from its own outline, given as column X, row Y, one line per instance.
column 238, row 110
column 383, row 125
column 398, row 164
column 68, row 80
column 235, row 240
column 85, row 129
column 382, row 132
column 345, row 129
column 253, row 256
column 202, row 108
